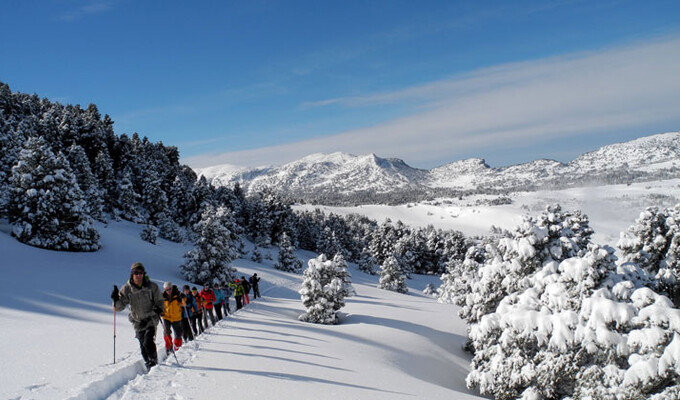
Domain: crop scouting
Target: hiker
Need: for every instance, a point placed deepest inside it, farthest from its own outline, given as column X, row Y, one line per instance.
column 238, row 293
column 208, row 304
column 172, row 317
column 146, row 308
column 228, row 291
column 188, row 309
column 255, row 283
column 246, row 290
column 219, row 300
column 199, row 309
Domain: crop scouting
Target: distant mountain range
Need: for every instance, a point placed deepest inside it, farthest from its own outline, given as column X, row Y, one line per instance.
column 341, row 177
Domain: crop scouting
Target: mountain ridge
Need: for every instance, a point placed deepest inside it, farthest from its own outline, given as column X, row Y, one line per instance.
column 339, row 174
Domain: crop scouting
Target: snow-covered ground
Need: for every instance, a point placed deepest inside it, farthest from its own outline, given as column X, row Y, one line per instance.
column 56, row 320
column 611, row 209
column 56, row 335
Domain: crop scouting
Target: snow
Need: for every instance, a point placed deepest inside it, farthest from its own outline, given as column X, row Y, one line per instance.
column 611, row 209
column 57, row 333
column 56, row 339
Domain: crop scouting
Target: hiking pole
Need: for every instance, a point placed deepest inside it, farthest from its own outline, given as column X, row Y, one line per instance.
column 114, row 333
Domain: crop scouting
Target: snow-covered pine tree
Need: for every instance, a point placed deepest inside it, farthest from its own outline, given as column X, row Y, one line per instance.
column 102, row 168
column 287, row 260
column 169, row 229
column 323, row 292
column 256, row 255
column 209, row 261
column 47, row 207
column 553, row 236
column 382, row 241
column 527, row 347
column 458, row 280
column 86, row 181
column 149, row 234
column 367, row 262
column 341, row 272
column 631, row 345
column 430, row 290
column 127, row 203
column 653, row 243
column 408, row 260
column 328, row 243
column 259, row 226
column 391, row 276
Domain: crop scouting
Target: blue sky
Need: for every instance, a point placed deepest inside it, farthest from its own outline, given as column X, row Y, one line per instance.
column 267, row 82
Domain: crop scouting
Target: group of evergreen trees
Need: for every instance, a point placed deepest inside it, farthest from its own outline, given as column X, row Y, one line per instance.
column 62, row 168
column 553, row 315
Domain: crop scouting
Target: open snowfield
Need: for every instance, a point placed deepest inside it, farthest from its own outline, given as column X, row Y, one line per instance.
column 56, row 335
column 56, row 338
column 611, row 209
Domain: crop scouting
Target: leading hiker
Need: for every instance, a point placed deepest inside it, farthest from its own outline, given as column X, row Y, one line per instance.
column 146, row 308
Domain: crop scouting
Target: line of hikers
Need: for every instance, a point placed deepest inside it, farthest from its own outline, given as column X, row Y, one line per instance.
column 185, row 313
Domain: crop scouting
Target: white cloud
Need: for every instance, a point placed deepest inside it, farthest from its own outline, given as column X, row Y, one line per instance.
column 517, row 105
column 90, row 8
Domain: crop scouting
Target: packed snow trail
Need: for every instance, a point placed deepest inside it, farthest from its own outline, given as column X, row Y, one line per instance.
column 263, row 351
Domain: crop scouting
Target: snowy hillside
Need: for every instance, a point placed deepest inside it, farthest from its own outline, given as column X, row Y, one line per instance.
column 57, row 337
column 649, row 158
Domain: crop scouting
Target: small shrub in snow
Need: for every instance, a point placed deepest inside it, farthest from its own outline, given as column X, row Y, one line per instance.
column 149, row 234
column 256, row 255
column 430, row 290
column 323, row 291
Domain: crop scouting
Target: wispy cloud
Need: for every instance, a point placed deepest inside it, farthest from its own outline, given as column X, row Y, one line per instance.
column 508, row 106
column 85, row 10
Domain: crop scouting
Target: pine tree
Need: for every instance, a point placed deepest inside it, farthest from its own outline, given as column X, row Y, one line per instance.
column 46, row 206
column 149, row 234
column 324, row 288
column 86, row 181
column 287, row 260
column 367, row 262
column 653, row 243
column 127, row 204
column 256, row 255
column 341, row 272
column 391, row 276
column 209, row 261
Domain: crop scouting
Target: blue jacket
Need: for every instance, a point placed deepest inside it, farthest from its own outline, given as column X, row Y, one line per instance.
column 219, row 296
column 191, row 305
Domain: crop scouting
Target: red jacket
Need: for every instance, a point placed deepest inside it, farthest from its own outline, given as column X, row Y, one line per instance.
column 208, row 297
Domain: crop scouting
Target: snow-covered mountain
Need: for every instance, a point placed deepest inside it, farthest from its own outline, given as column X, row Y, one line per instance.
column 651, row 157
column 336, row 173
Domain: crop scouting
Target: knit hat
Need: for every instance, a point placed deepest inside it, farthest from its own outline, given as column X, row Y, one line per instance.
column 137, row 266
column 185, row 287
column 167, row 285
